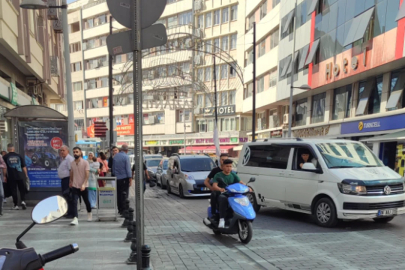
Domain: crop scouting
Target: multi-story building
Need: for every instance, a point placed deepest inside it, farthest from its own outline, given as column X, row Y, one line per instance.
column 351, row 54
column 31, row 60
column 178, row 72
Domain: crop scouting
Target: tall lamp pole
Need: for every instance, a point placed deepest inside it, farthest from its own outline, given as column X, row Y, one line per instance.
column 39, row 4
column 254, row 86
column 110, row 94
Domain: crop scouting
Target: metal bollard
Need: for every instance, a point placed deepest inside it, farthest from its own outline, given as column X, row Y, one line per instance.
column 130, row 226
column 126, row 214
column 132, row 256
column 146, row 257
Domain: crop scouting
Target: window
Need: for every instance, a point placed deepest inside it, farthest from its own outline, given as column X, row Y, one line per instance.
column 225, row 124
column 208, row 98
column 75, row 47
column 232, row 71
column 208, row 47
column 210, row 127
column 301, row 113
column 262, row 48
column 269, row 156
column 184, row 115
column 216, row 45
column 234, row 38
column 208, row 19
column 78, row 105
column 172, row 21
column 225, row 15
column 200, row 100
column 251, row 21
column 263, row 10
column 202, row 125
column 225, row 43
column 201, row 21
column 185, row 18
column 76, row 66
column 234, row 13
column 216, row 73
column 208, row 74
column 216, row 17
column 274, row 120
column 200, row 75
column 318, row 108
column 260, row 84
column 224, row 72
column 77, row 86
column 342, row 102
column 232, row 97
column 275, row 3
column 249, row 57
column 396, row 90
column 224, row 98
column 273, row 78
column 74, row 27
column 248, row 91
column 274, row 39
column 185, row 67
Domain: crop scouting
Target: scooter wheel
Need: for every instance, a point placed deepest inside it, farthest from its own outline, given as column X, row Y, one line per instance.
column 217, row 232
column 245, row 231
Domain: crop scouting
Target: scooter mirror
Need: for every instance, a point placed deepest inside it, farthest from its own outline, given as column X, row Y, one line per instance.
column 252, row 179
column 49, row 210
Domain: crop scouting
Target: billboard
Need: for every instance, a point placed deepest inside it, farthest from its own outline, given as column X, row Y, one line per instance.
column 39, row 142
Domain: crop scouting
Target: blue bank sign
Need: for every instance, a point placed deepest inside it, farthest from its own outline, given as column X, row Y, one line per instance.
column 376, row 124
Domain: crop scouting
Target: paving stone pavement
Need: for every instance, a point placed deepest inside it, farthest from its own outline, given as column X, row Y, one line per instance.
column 179, row 240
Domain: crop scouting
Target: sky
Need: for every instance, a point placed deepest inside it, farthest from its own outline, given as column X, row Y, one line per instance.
column 70, row 1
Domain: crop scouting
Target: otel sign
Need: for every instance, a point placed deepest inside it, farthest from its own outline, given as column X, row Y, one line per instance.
column 335, row 68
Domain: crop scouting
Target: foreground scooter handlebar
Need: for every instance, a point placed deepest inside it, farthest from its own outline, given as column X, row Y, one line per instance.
column 59, row 253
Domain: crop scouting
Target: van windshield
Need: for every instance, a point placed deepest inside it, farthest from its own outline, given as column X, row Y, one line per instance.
column 197, row 164
column 347, row 155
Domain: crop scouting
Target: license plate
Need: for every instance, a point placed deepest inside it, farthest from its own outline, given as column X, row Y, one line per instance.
column 387, row 212
column 204, row 189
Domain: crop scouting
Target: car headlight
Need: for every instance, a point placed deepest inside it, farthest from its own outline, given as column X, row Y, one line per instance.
column 352, row 189
column 189, row 177
column 244, row 201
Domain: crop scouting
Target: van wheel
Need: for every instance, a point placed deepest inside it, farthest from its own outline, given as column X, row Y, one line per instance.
column 383, row 220
column 252, row 198
column 169, row 190
column 325, row 213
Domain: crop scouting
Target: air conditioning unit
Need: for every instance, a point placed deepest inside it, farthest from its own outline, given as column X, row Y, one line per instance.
column 53, row 12
column 285, row 118
column 55, row 66
column 198, row 5
column 57, row 25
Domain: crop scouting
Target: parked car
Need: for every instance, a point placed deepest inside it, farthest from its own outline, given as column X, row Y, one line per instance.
column 154, row 156
column 151, row 166
column 186, row 175
column 161, row 173
column 340, row 179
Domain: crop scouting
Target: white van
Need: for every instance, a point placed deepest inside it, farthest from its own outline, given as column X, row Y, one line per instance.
column 341, row 180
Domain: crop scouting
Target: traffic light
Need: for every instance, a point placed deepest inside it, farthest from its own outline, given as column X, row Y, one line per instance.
column 100, row 129
column 152, row 35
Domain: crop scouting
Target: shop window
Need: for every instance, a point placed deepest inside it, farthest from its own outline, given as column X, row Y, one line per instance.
column 301, row 113
column 274, row 120
column 318, row 108
column 342, row 102
column 396, row 100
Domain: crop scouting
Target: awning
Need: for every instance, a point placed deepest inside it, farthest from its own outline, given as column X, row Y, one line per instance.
column 365, row 95
column 288, row 22
column 303, row 56
column 312, row 52
column 358, row 27
column 195, row 149
column 238, row 148
column 293, row 64
column 396, row 136
column 312, row 7
column 223, row 148
column 285, row 66
column 394, row 99
column 401, row 12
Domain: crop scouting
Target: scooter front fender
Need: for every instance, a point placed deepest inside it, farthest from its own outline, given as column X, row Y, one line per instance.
column 245, row 210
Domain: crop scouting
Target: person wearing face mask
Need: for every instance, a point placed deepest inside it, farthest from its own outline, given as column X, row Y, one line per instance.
column 94, row 172
column 79, row 183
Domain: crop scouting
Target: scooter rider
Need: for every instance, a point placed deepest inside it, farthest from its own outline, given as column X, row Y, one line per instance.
column 228, row 178
column 214, row 193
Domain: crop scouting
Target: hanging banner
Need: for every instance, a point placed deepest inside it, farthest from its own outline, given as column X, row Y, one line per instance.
column 39, row 143
column 90, row 131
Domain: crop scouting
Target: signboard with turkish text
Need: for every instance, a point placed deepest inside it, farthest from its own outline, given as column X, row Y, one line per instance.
column 221, row 110
column 123, row 130
column 90, row 131
column 39, row 144
column 376, row 124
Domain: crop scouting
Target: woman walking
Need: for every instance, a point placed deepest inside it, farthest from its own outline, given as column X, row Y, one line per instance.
column 102, row 159
column 94, row 171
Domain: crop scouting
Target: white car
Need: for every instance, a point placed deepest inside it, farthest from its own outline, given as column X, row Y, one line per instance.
column 340, row 180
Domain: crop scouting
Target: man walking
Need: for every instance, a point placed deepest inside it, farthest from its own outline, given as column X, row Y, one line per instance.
column 122, row 170
column 79, row 177
column 111, row 159
column 15, row 175
column 64, row 172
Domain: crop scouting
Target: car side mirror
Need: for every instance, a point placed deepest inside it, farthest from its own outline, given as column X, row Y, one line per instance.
column 251, row 180
column 310, row 167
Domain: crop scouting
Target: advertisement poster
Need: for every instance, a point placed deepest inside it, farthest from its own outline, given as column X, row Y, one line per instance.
column 40, row 143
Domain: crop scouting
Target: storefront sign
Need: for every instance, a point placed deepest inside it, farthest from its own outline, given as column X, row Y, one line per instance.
column 131, row 119
column 39, row 143
column 243, row 140
column 335, row 68
column 105, row 101
column 234, row 140
column 90, row 131
column 151, row 142
column 125, row 130
column 176, row 142
column 221, row 140
column 221, row 110
column 311, row 132
column 276, row 133
column 376, row 124
column 14, row 94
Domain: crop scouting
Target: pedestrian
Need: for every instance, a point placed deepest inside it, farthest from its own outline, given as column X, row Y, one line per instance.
column 79, row 182
column 3, row 153
column 2, row 192
column 122, row 170
column 111, row 159
column 64, row 173
column 102, row 159
column 94, row 172
column 16, row 175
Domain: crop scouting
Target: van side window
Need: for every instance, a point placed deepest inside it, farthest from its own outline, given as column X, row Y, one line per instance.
column 300, row 154
column 269, row 156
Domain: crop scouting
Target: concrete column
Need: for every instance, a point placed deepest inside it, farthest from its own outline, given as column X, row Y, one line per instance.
column 385, row 92
column 376, row 148
column 355, row 99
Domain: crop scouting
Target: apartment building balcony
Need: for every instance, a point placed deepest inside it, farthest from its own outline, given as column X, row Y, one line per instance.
column 177, row 7
column 263, row 64
column 102, row 29
column 94, row 8
column 264, row 100
column 96, row 52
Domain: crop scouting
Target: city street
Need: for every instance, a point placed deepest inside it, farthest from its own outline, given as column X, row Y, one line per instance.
column 179, row 240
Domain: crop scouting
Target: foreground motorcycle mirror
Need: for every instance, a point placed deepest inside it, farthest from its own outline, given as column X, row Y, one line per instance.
column 46, row 211
column 49, row 210
column 252, row 179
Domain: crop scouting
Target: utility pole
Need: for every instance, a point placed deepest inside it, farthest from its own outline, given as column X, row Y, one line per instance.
column 110, row 94
column 254, row 86
column 215, row 94
column 184, row 121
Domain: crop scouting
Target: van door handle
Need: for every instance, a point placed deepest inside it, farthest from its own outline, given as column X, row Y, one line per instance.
column 291, row 174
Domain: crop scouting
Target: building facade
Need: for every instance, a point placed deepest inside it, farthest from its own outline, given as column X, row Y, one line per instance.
column 31, row 61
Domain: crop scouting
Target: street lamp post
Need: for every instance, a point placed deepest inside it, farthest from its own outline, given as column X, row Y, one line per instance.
column 39, row 4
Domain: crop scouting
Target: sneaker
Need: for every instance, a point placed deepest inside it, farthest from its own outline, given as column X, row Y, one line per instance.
column 221, row 223
column 15, row 208
column 89, row 217
column 74, row 222
column 23, row 205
